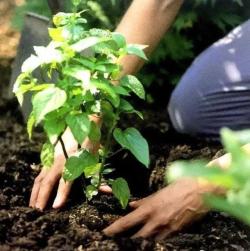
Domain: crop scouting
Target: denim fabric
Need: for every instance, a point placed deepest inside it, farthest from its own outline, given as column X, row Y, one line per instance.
column 215, row 91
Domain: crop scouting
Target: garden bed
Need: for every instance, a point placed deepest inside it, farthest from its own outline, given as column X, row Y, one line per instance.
column 79, row 225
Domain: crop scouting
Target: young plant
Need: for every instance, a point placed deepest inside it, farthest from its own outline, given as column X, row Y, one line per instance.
column 235, row 179
column 81, row 77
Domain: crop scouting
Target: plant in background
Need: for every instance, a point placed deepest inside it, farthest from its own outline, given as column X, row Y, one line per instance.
column 197, row 26
column 80, row 67
column 235, row 179
column 38, row 7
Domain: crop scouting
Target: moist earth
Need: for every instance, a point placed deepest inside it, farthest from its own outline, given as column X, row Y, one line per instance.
column 78, row 226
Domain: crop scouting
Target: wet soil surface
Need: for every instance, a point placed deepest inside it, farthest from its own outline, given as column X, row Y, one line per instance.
column 79, row 225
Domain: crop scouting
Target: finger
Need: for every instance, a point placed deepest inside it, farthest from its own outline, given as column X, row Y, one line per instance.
column 62, row 193
column 176, row 225
column 46, row 187
column 36, row 187
column 105, row 189
column 147, row 231
column 135, row 204
column 164, row 234
column 126, row 222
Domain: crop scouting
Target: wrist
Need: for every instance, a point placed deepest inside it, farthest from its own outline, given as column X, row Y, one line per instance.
column 205, row 186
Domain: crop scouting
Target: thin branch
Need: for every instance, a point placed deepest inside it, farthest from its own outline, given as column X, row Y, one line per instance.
column 113, row 154
column 63, row 147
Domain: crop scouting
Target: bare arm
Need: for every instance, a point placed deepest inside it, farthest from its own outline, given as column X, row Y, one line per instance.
column 145, row 22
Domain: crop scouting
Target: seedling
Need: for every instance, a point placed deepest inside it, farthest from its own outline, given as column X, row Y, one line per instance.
column 235, row 179
column 81, row 74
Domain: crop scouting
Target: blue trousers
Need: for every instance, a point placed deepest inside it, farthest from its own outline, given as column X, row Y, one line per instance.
column 215, row 91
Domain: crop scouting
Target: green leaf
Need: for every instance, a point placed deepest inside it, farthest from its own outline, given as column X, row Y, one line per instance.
column 81, row 74
column 48, row 54
column 95, row 32
column 30, row 124
column 75, row 166
column 217, row 176
column 121, row 191
column 119, row 39
column 86, row 62
column 186, row 21
column 237, row 210
column 93, row 170
column 47, row 155
column 30, row 64
column 170, row 47
column 91, row 191
column 109, row 117
column 47, row 101
column 53, row 128
column 240, row 159
column 85, row 44
column 108, row 170
column 41, row 87
column 23, row 80
column 242, row 136
column 125, row 106
column 61, row 19
column 107, row 47
column 23, row 88
column 132, row 140
column 121, row 90
column 59, row 34
column 79, row 125
column 95, row 132
column 76, row 32
column 137, row 50
column 107, row 68
column 108, row 89
column 134, row 85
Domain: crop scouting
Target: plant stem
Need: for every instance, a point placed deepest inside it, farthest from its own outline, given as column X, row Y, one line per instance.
column 113, row 154
column 63, row 147
column 106, row 149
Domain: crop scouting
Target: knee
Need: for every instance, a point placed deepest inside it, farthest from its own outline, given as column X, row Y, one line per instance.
column 183, row 112
column 176, row 111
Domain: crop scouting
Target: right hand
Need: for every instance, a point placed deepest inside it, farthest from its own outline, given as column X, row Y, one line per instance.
column 48, row 177
column 165, row 211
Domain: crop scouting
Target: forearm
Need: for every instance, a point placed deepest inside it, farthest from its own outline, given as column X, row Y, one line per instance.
column 145, row 22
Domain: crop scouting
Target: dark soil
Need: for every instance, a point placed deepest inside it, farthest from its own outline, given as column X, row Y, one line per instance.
column 79, row 225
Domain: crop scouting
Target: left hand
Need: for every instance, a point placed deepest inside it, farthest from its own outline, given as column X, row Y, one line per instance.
column 166, row 211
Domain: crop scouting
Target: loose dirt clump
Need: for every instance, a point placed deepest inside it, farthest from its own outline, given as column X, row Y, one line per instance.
column 79, row 225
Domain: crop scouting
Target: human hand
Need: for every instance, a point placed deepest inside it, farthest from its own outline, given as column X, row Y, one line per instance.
column 166, row 211
column 48, row 177
column 225, row 160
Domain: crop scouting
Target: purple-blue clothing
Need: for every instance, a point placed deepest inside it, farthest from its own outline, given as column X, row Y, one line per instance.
column 215, row 90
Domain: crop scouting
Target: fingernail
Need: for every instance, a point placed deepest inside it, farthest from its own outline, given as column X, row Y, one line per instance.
column 57, row 202
column 37, row 206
